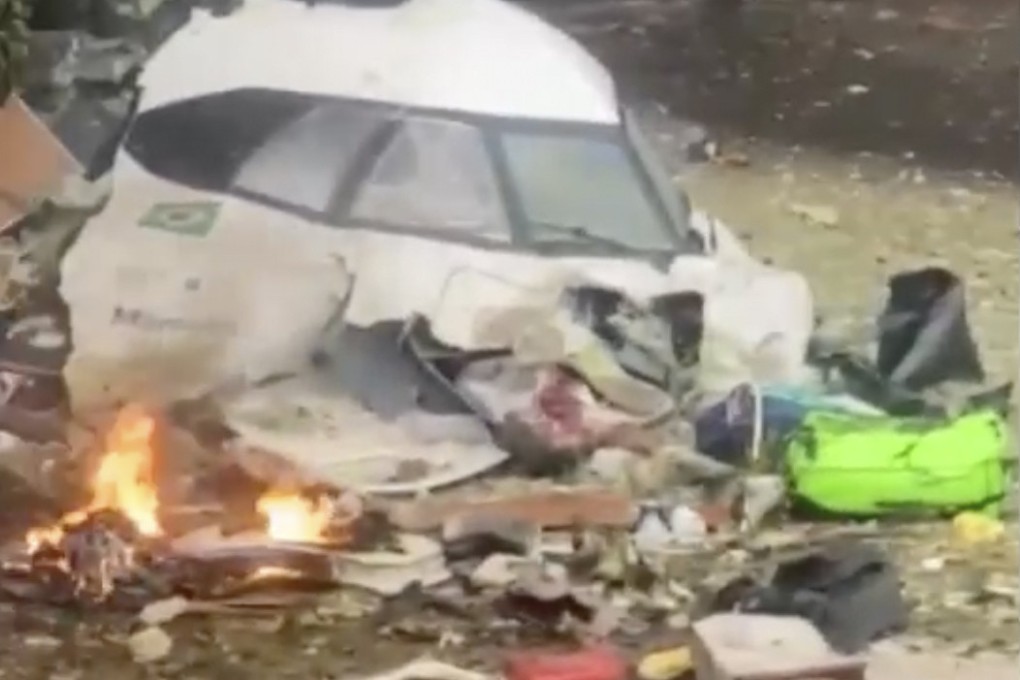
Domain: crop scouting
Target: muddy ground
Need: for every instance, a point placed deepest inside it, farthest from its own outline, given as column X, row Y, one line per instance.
column 899, row 118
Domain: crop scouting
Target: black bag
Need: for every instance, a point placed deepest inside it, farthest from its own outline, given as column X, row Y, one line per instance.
column 850, row 592
column 924, row 338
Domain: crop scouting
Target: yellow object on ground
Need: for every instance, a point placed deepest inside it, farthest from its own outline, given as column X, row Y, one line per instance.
column 972, row 528
column 665, row 665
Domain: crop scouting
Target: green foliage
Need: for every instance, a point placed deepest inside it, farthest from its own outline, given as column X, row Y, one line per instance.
column 13, row 43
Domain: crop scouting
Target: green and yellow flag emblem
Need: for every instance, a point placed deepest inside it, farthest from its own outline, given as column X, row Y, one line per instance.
column 187, row 219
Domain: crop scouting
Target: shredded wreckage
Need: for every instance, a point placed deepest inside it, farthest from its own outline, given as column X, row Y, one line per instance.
column 259, row 407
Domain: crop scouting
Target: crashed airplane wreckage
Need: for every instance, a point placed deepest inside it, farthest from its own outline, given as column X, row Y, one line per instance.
column 387, row 282
column 429, row 303
column 441, row 225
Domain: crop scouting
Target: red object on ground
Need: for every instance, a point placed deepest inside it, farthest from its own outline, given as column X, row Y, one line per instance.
column 559, row 411
column 717, row 516
column 594, row 663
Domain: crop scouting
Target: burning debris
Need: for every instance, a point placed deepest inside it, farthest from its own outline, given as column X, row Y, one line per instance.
column 293, row 517
column 123, row 484
column 115, row 550
column 90, row 550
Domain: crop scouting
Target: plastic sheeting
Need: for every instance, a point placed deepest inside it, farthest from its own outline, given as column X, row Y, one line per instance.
column 309, row 423
column 924, row 337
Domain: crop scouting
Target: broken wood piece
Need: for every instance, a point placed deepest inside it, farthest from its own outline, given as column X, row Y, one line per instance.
column 215, row 572
column 252, row 604
column 260, row 604
column 547, row 509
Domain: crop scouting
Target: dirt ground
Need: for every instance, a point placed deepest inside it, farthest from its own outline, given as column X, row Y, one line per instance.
column 898, row 117
column 936, row 79
column 897, row 196
column 887, row 222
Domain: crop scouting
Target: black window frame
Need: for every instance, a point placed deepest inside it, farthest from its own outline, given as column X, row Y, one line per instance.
column 490, row 127
column 153, row 138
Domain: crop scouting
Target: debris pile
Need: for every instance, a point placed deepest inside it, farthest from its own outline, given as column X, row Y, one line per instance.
column 704, row 521
column 589, row 481
column 593, row 461
column 114, row 550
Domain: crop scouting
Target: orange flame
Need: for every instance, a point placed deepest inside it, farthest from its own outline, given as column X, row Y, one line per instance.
column 124, row 480
column 293, row 517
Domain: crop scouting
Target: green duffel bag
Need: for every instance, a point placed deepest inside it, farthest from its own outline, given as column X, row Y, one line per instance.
column 869, row 466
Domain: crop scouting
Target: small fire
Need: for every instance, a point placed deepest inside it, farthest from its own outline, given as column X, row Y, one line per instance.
column 123, row 482
column 293, row 517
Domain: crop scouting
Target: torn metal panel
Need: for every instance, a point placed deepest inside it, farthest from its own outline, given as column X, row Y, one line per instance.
column 33, row 163
column 198, row 311
column 312, row 426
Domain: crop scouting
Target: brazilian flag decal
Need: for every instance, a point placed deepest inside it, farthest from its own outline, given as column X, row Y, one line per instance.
column 186, row 219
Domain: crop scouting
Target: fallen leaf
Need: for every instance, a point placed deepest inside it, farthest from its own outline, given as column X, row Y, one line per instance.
column 857, row 89
column 825, row 215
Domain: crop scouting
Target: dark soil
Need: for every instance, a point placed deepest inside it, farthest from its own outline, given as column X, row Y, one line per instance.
column 938, row 81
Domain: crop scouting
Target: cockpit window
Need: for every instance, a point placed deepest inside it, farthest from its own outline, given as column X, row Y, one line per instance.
column 305, row 163
column 580, row 187
column 560, row 187
column 202, row 142
column 435, row 175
